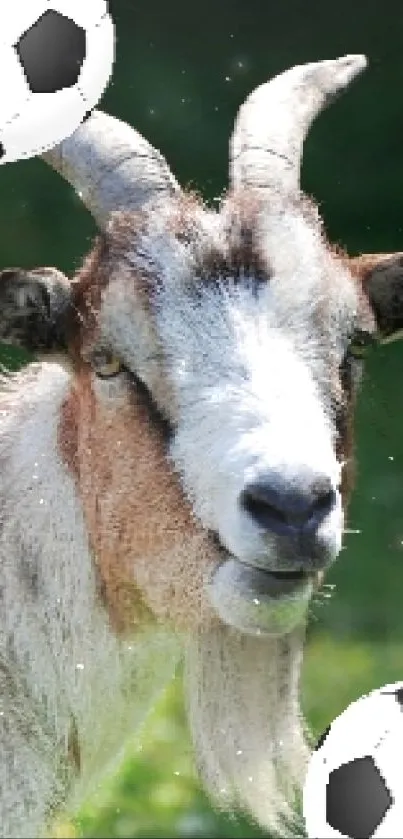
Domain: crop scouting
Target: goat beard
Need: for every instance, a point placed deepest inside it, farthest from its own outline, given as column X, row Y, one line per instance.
column 242, row 696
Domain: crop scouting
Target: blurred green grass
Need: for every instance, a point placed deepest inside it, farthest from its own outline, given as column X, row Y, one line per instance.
column 156, row 792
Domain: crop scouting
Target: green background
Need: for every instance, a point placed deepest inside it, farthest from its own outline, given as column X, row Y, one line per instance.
column 182, row 70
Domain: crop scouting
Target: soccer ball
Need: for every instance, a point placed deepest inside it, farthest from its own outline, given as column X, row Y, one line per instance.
column 354, row 786
column 56, row 58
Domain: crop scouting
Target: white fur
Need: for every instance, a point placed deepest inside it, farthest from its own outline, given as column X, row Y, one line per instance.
column 60, row 662
column 243, row 374
column 248, row 374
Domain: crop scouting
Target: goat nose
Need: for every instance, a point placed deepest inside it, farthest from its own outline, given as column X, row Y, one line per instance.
column 286, row 508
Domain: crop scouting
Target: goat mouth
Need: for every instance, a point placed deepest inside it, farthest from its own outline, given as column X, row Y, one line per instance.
column 276, row 583
column 257, row 601
column 287, row 576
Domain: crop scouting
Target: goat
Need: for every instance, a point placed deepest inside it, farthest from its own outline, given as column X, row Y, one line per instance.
column 177, row 462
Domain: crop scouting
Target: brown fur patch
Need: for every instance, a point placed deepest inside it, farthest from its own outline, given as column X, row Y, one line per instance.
column 73, row 747
column 183, row 223
column 107, row 257
column 87, row 290
column 243, row 251
column 345, row 453
column 385, row 267
column 381, row 278
column 68, row 432
column 364, row 264
column 151, row 555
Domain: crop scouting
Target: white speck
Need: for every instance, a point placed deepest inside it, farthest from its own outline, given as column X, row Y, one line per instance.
column 250, row 778
column 239, row 63
column 256, row 601
column 216, row 107
column 79, row 666
column 41, row 501
column 231, row 35
column 228, row 78
column 391, row 457
column 1, row 713
column 151, row 111
column 183, row 72
column 176, row 773
column 239, row 752
column 183, row 100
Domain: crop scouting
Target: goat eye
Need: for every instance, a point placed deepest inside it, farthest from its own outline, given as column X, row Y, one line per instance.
column 106, row 365
column 361, row 342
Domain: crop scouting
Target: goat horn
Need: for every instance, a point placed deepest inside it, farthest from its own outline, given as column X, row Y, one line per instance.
column 266, row 145
column 111, row 166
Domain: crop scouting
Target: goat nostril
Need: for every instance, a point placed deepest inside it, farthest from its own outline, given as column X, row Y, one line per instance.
column 259, row 508
column 321, row 490
column 276, row 508
column 324, row 502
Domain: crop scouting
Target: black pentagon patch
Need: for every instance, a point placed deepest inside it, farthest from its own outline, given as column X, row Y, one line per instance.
column 357, row 798
column 87, row 115
column 52, row 53
column 2, row 150
column 322, row 738
column 398, row 694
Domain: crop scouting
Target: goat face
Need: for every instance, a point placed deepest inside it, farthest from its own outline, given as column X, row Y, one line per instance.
column 242, row 326
column 245, row 345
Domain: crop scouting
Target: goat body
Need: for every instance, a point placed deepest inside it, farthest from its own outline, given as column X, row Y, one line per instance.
column 176, row 467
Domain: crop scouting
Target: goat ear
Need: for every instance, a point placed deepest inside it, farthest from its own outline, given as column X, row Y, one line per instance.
column 33, row 308
column 381, row 275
